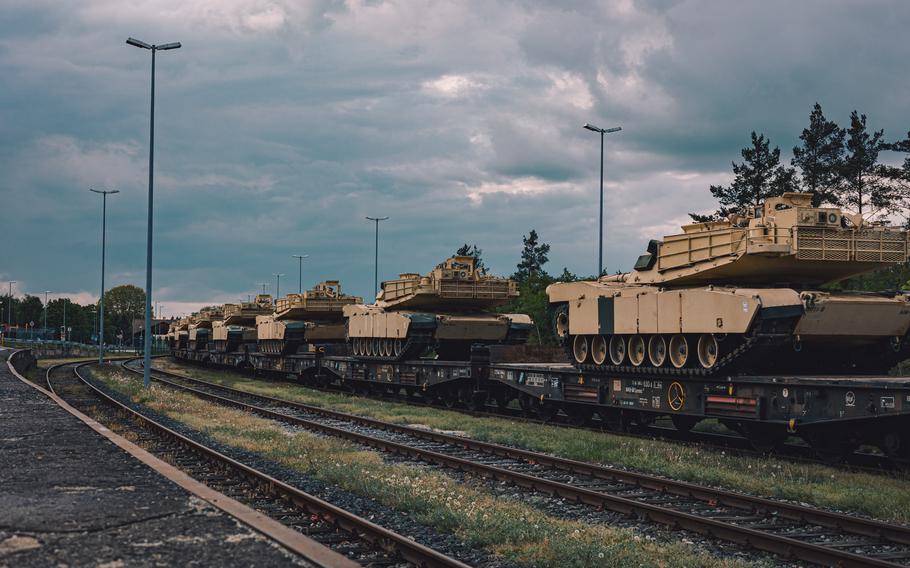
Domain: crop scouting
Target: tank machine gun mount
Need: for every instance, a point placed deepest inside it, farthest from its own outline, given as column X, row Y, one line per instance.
column 743, row 294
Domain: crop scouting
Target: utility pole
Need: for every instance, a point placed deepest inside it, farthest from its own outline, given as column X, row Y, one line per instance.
column 600, row 224
column 376, row 255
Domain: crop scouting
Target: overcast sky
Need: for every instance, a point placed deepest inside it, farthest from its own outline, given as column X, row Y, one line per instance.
column 280, row 125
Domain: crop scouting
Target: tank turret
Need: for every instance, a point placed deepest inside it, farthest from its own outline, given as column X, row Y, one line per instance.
column 314, row 317
column 785, row 241
column 742, row 295
column 446, row 310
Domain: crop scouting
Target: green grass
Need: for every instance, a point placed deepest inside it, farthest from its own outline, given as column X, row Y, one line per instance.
column 879, row 496
column 507, row 528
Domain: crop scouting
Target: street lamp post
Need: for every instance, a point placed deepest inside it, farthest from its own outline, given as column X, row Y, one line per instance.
column 103, row 194
column 600, row 224
column 9, row 314
column 376, row 255
column 146, row 375
column 300, row 258
column 46, row 292
column 277, row 285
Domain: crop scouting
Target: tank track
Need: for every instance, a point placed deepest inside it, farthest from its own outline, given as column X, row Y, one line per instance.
column 760, row 354
column 723, row 363
column 414, row 345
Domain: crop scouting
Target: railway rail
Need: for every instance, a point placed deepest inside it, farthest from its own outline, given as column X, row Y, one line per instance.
column 790, row 530
column 362, row 541
column 855, row 461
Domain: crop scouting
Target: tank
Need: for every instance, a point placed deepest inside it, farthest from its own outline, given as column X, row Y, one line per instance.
column 200, row 328
column 447, row 311
column 182, row 333
column 237, row 331
column 312, row 318
column 744, row 295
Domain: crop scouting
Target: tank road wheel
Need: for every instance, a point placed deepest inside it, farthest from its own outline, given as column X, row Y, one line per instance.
column 386, row 347
column 598, row 349
column 355, row 346
column 679, row 350
column 580, row 349
column 617, row 350
column 637, row 350
column 376, row 347
column 657, row 350
column 707, row 350
column 397, row 348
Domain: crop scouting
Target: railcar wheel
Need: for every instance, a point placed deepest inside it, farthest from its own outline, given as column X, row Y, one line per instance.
column 657, row 350
column 679, row 351
column 707, row 350
column 598, row 349
column 684, row 423
column 617, row 350
column 637, row 350
column 580, row 349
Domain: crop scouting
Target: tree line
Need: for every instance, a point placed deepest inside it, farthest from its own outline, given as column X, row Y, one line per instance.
column 533, row 279
column 843, row 167
column 122, row 304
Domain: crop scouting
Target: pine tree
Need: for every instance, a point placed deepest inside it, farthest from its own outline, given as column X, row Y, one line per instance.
column 533, row 257
column 820, row 157
column 757, row 178
column 477, row 253
column 862, row 186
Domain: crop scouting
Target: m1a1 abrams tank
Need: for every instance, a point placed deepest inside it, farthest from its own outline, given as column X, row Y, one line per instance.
column 314, row 317
column 742, row 295
column 238, row 328
column 447, row 310
column 200, row 330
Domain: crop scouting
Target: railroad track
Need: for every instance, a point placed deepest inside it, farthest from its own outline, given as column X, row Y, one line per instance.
column 856, row 461
column 362, row 541
column 789, row 530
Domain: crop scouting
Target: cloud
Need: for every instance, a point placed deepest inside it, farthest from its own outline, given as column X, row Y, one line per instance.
column 280, row 125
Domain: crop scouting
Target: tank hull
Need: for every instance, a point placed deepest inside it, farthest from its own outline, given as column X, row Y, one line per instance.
column 374, row 332
column 708, row 330
column 281, row 336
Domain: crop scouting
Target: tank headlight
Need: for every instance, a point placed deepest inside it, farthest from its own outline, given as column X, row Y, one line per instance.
column 832, row 218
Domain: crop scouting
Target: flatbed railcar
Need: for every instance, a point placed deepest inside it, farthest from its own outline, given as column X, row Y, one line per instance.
column 834, row 414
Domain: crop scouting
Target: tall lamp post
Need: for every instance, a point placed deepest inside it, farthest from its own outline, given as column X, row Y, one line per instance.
column 300, row 258
column 46, row 292
column 277, row 285
column 146, row 375
column 376, row 255
column 600, row 224
column 103, row 194
column 9, row 314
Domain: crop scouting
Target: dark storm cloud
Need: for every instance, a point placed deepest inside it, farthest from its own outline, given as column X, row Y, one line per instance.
column 280, row 125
